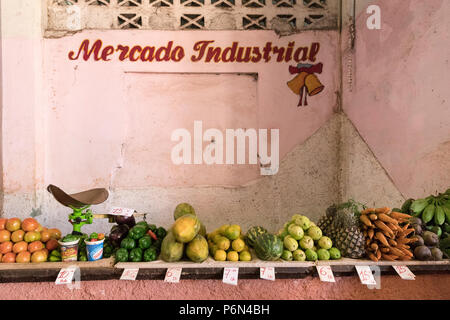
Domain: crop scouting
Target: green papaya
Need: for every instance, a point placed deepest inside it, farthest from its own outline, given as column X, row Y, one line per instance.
column 197, row 250
column 171, row 249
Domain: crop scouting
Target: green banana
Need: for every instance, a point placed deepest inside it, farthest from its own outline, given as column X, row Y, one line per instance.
column 419, row 205
column 439, row 216
column 428, row 213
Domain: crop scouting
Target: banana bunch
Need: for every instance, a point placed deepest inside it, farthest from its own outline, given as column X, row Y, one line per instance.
column 431, row 209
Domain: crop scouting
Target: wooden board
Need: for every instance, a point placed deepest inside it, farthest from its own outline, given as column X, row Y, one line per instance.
column 103, row 263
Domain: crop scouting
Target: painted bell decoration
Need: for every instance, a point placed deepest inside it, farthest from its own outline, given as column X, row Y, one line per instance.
column 305, row 82
column 313, row 85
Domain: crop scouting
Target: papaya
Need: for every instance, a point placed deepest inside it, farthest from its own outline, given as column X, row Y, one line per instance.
column 197, row 249
column 171, row 249
column 182, row 209
column 186, row 228
column 202, row 230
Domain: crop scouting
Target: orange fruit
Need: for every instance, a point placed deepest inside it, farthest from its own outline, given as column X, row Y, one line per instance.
column 6, row 247
column 20, row 246
column 9, row 257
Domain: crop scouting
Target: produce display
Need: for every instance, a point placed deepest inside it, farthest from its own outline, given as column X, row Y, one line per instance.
column 303, row 240
column 388, row 234
column 431, row 223
column 141, row 243
column 268, row 247
column 186, row 236
column 342, row 225
column 227, row 244
column 27, row 241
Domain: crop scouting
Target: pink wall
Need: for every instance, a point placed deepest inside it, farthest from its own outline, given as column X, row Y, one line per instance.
column 392, row 287
column 400, row 100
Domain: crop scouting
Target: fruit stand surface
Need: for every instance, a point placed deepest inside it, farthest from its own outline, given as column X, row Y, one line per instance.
column 209, row 269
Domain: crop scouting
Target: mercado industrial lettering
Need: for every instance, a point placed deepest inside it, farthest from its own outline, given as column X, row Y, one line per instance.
column 204, row 50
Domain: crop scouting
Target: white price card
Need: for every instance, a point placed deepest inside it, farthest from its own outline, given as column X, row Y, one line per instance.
column 404, row 272
column 129, row 274
column 325, row 273
column 230, row 276
column 119, row 211
column 65, row 275
column 173, row 275
column 267, row 273
column 365, row 275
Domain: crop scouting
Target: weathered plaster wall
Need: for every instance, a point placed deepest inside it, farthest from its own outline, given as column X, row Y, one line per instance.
column 399, row 101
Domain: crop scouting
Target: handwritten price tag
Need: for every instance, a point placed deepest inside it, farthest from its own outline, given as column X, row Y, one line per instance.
column 267, row 273
column 119, row 211
column 365, row 275
column 173, row 275
column 325, row 273
column 65, row 275
column 404, row 272
column 129, row 274
column 230, row 276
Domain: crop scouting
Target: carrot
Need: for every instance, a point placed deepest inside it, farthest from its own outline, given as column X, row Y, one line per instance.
column 407, row 232
column 368, row 210
column 406, row 226
column 370, row 233
column 385, row 250
column 365, row 220
column 374, row 246
column 382, row 238
column 368, row 242
column 405, row 258
column 382, row 210
column 407, row 252
column 397, row 252
column 385, row 218
column 382, row 226
column 393, row 226
column 378, row 254
column 373, row 257
column 373, row 217
column 392, row 242
column 399, row 215
column 389, row 257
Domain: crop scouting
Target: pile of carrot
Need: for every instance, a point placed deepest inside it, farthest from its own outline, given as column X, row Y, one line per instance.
column 386, row 233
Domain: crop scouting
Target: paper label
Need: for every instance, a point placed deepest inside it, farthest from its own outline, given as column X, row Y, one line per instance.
column 65, row 275
column 173, row 275
column 404, row 272
column 325, row 273
column 119, row 211
column 230, row 276
column 129, row 274
column 267, row 273
column 365, row 275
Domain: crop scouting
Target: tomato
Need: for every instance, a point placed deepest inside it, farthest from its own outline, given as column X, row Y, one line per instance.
column 9, row 257
column 13, row 224
column 20, row 246
column 29, row 224
column 23, row 257
column 6, row 247
column 3, row 223
column 5, row 235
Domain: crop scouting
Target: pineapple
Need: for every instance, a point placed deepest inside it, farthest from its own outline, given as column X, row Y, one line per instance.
column 342, row 225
